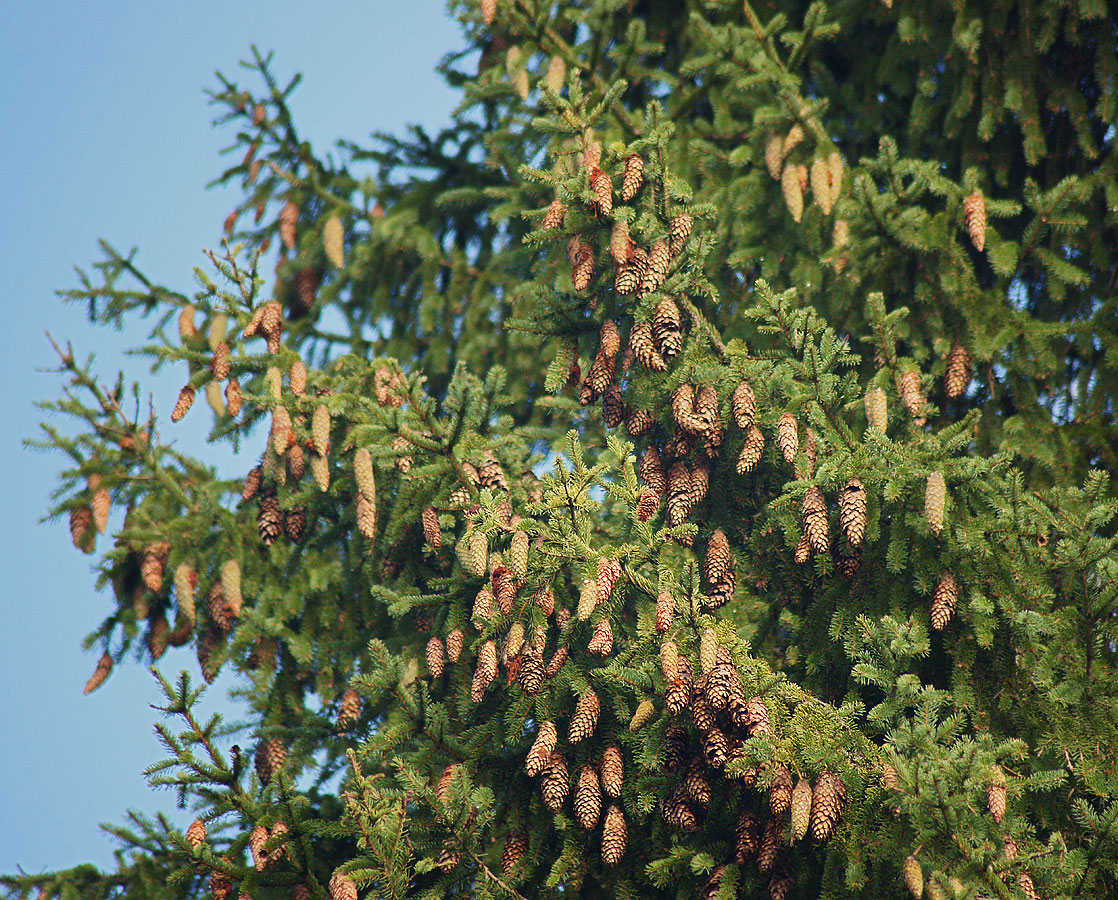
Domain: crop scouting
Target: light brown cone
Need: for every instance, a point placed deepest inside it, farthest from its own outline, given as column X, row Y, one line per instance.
column 151, row 566
column 288, row 218
column 269, row 760
column 1025, row 882
column 615, row 836
column 196, row 833
column 555, row 783
column 743, row 406
column 958, row 373
column 679, row 493
column 816, row 524
column 436, row 660
column 945, row 596
column 852, row 512
column 544, row 745
column 669, row 661
column 828, row 798
column 553, row 218
column 320, row 470
column 995, row 794
column 632, row 176
column 665, row 607
column 100, row 673
column 341, row 888
column 183, row 404
column 877, row 410
column 601, row 642
column 788, row 437
column 913, row 876
column 349, row 711
column 757, row 717
column 643, row 346
column 935, row 500
column 821, row 185
column 719, row 560
column 792, row 191
column 81, row 525
column 454, row 643
column 974, row 219
column 613, row 771
column 679, row 230
column 366, row 516
column 780, row 790
column 708, row 649
column 774, row 155
column 667, row 329
column 603, row 191
column 320, row 429
column 912, row 395
column 769, row 848
column 585, row 718
column 751, row 451
column 588, row 799
column 333, row 241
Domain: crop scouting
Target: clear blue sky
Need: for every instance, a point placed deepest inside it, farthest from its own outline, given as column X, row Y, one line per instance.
column 106, row 133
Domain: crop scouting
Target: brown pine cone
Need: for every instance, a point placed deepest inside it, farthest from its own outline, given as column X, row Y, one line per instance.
column 743, row 406
column 995, row 794
column 615, row 836
column 747, row 837
column 665, row 607
column 651, row 471
column 588, row 799
column 613, row 771
column 828, row 798
column 751, row 451
column 679, row 230
column 196, row 833
column 912, row 394
column 641, row 337
column 913, row 876
column 349, row 710
column 770, row 844
column 935, row 500
column 852, row 512
column 555, row 783
column 944, row 599
column 816, row 524
column 780, row 790
column 516, row 845
column 958, row 373
column 632, row 176
column 757, row 714
column 270, row 758
column 667, row 328
column 556, row 213
column 974, row 219
column 544, row 745
column 585, row 718
column 719, row 560
column 435, row 657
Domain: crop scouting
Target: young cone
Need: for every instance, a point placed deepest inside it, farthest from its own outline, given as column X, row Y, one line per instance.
column 800, row 809
column 877, row 414
column 913, row 876
column 935, row 498
column 912, row 395
column 643, row 714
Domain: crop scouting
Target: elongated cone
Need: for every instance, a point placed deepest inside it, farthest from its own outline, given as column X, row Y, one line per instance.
column 556, row 213
column 913, row 876
column 366, row 516
column 877, row 410
column 632, row 176
column 757, row 718
column 585, row 718
column 816, row 525
column 349, row 711
column 435, row 657
column 667, row 328
column 852, row 512
column 288, row 218
column 363, row 473
column 320, row 469
column 669, row 661
column 603, row 191
column 781, row 880
column 454, row 642
column 974, row 219
column 477, row 553
column 151, row 566
column 601, row 643
column 615, row 836
column 100, row 673
column 333, row 241
column 642, row 344
column 774, row 155
column 828, row 798
column 800, row 809
column 743, row 406
column 233, row 399
column 432, row 533
column 995, row 794
column 788, row 437
column 719, row 560
column 935, row 497
column 516, row 844
column 665, row 607
column 187, row 328
column 183, row 404
column 944, row 599
column 619, row 242
column 231, row 585
column 588, row 798
column 751, row 451
column 780, row 790
column 485, row 672
column 793, row 193
column 587, row 599
column 708, row 649
column 651, row 471
column 488, row 11
column 912, row 395
column 542, row 748
column 647, row 505
column 555, row 783
column 1025, row 882
column 958, row 373
column 769, row 848
column 582, row 269
column 643, row 714
column 270, row 758
column 613, row 771
column 100, row 506
column 320, row 430
column 821, row 185
column 834, row 172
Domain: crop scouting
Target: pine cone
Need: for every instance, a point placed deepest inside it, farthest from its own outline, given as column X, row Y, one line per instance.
column 774, row 155
column 637, row 421
column 780, row 882
column 516, row 845
column 641, row 338
column 877, row 410
column 539, row 756
column 769, row 848
column 667, row 329
column 792, row 191
column 757, row 716
column 935, row 497
column 485, row 672
column 221, row 886
column 944, row 598
column 751, row 451
column 288, row 218
column 555, row 783
column 696, row 785
column 556, row 213
column 647, row 505
column 675, row 748
column 1025, row 881
column 995, row 794
column 821, row 185
column 912, row 395
column 196, row 833
column 476, row 554
column 614, row 836
column 320, row 429
column 780, row 790
column 183, row 404
column 743, row 405
column 545, row 600
column 603, row 191
column 958, row 373
column 601, row 642
column 619, row 244
column 151, row 567
column 803, row 551
column 677, row 697
column 678, row 812
column 222, row 611
column 613, row 771
column 349, row 711
column 816, row 525
column 719, row 560
column 852, row 512
column 826, row 805
column 100, row 673
column 659, row 264
column 366, row 515
column 679, row 493
column 588, row 799
column 435, row 657
column 679, row 230
column 787, row 437
column 632, row 176
column 643, row 714
column 669, row 661
column 665, row 607
column 974, row 219
column 556, row 662
column 270, row 758
column 585, row 718
column 747, row 837
column 448, row 858
column 652, row 471
column 531, row 669
column 913, row 876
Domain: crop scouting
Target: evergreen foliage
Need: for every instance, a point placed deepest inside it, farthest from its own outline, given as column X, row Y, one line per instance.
column 886, row 570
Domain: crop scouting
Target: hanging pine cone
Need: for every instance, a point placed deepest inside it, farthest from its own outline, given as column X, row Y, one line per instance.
column 183, row 403
column 803, row 551
column 1025, row 882
column 781, row 881
column 270, row 758
column 296, row 461
column 769, row 847
column 601, row 642
column 539, row 756
column 669, row 661
column 485, row 672
column 958, row 373
column 702, row 715
column 659, row 264
column 102, row 671
column 627, row 281
column 816, row 525
column 454, row 642
column 516, row 845
column 974, row 219
column 912, row 395
column 221, row 610
column 585, row 718
column 821, row 185
column 555, row 783
column 532, row 671
column 603, row 191
column 632, row 176
column 792, row 191
column 757, row 716
column 852, row 512
column 615, row 836
column 677, row 697
column 151, row 566
column 619, row 244
column 651, row 471
column 774, row 155
column 679, row 493
column 647, row 505
column 913, row 876
column 675, row 748
column 995, row 794
column 788, row 437
column 665, row 607
column 196, row 833
column 613, row 771
column 641, row 341
column 747, row 837
column 696, row 785
column 827, row 802
column 556, row 213
column 935, row 497
column 667, row 328
column 588, row 799
column 719, row 561
column 751, row 451
column 743, row 406
column 613, row 405
column 637, row 421
column 447, row 860
column 288, row 218
column 435, row 657
column 556, row 662
column 366, row 511
column 643, row 714
column 545, row 600
column 944, row 598
column 877, row 410
column 780, row 790
column 679, row 230
column 678, row 812
column 349, row 711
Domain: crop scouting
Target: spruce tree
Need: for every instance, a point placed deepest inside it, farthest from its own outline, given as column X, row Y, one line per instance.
column 686, row 474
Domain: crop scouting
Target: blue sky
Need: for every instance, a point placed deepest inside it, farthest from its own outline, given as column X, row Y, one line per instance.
column 107, row 134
